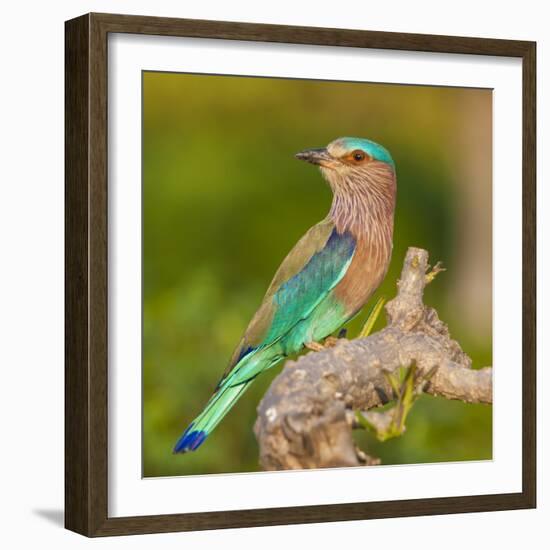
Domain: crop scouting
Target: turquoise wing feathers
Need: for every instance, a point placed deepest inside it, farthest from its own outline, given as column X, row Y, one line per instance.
column 306, row 277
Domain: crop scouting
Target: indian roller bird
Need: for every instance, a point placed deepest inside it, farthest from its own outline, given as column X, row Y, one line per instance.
column 325, row 279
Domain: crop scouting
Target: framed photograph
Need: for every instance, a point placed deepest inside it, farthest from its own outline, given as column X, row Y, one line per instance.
column 339, row 222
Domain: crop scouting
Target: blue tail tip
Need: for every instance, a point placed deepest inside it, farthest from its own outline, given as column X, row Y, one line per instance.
column 190, row 440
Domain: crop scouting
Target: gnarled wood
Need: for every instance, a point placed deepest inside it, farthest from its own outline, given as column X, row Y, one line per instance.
column 305, row 420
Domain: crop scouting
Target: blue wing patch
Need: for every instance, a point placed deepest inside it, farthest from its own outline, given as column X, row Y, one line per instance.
column 298, row 296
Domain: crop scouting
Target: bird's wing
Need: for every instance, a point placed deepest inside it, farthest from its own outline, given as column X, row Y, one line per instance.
column 309, row 272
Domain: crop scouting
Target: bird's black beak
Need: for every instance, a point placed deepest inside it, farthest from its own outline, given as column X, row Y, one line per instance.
column 321, row 157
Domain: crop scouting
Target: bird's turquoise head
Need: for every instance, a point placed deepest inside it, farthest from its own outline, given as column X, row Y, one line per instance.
column 347, row 156
column 361, row 174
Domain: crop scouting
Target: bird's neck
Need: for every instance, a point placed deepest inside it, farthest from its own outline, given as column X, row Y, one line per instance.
column 364, row 204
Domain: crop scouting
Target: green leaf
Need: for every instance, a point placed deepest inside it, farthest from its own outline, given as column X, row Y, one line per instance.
column 373, row 316
column 364, row 423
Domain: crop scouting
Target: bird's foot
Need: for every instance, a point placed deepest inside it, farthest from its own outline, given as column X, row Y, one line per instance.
column 328, row 342
column 314, row 346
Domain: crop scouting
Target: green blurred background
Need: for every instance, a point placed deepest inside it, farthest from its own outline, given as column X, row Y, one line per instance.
column 224, row 201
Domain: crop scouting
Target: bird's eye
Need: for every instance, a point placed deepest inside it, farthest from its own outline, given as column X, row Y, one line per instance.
column 358, row 156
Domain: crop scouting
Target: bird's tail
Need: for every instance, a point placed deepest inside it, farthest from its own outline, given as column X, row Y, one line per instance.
column 216, row 408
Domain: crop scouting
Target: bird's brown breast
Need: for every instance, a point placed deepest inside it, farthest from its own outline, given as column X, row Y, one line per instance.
column 364, row 275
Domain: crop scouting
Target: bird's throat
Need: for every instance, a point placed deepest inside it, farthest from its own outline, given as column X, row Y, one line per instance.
column 364, row 204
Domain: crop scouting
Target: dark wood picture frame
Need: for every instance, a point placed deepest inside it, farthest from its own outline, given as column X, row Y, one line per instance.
column 86, row 284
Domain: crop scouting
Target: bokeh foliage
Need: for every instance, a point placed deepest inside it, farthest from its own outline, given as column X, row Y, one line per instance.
column 224, row 201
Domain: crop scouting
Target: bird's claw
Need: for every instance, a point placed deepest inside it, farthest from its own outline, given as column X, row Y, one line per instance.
column 328, row 342
column 314, row 346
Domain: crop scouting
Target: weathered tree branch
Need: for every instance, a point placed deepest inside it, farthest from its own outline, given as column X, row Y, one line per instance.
column 306, row 418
